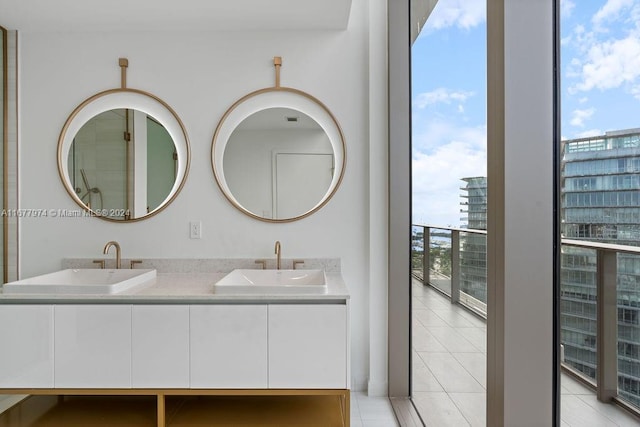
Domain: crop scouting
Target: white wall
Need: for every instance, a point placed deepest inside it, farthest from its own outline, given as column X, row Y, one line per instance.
column 248, row 163
column 200, row 75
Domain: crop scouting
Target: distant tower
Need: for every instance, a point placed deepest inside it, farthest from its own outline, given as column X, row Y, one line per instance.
column 473, row 247
column 601, row 202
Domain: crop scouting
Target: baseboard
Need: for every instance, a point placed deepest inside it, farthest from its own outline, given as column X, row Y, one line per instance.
column 379, row 389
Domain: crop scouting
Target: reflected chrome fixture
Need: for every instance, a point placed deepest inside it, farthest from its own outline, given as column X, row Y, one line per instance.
column 133, row 262
column 117, row 245
column 90, row 190
column 297, row 262
column 277, row 254
column 100, row 262
column 262, row 262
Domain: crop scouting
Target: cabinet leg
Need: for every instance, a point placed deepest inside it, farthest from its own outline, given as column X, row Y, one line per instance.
column 161, row 411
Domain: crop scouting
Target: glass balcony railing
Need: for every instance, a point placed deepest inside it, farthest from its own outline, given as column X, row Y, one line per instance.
column 438, row 244
column 457, row 260
column 600, row 300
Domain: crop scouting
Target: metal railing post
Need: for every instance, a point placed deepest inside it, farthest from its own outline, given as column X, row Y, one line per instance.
column 455, row 267
column 607, row 326
column 425, row 259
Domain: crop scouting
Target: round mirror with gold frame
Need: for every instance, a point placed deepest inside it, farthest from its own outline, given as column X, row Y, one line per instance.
column 278, row 154
column 123, row 155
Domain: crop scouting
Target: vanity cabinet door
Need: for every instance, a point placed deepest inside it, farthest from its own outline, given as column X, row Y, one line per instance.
column 26, row 334
column 93, row 346
column 160, row 346
column 228, row 346
column 308, row 346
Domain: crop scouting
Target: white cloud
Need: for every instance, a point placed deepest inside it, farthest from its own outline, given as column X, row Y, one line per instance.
column 583, row 100
column 457, row 152
column 611, row 63
column 583, row 39
column 611, row 11
column 579, row 116
column 588, row 133
column 440, row 95
column 566, row 6
column 464, row 14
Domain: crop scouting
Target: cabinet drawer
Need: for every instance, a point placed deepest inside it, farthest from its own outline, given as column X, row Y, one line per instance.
column 307, row 346
column 160, row 346
column 26, row 334
column 92, row 346
column 228, row 346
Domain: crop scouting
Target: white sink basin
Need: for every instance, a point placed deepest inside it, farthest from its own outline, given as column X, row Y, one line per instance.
column 81, row 281
column 272, row 281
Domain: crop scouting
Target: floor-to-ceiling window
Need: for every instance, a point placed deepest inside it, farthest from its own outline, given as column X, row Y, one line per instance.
column 600, row 193
column 520, row 235
column 449, row 211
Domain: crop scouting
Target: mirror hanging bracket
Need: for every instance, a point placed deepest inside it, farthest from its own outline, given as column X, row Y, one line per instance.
column 124, row 63
column 277, row 63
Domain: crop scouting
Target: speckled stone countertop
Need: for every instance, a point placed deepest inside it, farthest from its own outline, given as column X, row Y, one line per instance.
column 186, row 288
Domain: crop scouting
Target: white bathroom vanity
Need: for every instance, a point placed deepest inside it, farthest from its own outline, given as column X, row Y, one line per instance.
column 178, row 334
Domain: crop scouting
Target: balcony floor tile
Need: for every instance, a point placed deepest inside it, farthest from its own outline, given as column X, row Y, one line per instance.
column 475, row 364
column 438, row 410
column 423, row 340
column 449, row 371
column 473, row 407
column 452, row 340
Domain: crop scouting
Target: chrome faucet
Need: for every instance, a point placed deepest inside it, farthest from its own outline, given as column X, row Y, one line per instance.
column 106, row 251
column 277, row 254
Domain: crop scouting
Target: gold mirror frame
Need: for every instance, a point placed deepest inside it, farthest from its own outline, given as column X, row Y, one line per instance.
column 125, row 98
column 285, row 97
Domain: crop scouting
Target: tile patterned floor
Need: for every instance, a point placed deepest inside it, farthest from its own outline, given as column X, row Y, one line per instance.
column 369, row 411
column 449, row 370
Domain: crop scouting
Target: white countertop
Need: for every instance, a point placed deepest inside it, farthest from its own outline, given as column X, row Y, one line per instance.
column 184, row 288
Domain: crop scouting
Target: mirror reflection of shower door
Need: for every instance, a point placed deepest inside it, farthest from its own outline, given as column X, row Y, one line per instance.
column 300, row 180
column 161, row 164
column 98, row 165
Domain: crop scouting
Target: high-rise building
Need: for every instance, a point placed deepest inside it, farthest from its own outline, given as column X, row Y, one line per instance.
column 473, row 247
column 601, row 203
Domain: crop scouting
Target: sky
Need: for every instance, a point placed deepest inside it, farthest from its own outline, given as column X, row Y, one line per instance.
column 600, row 91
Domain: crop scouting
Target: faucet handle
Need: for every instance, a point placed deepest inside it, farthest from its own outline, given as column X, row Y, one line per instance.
column 133, row 263
column 101, row 262
column 263, row 262
column 297, row 262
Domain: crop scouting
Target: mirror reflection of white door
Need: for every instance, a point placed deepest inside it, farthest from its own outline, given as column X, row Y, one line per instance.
column 299, row 181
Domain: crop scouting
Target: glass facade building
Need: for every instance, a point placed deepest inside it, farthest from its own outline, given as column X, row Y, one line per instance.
column 601, row 203
column 473, row 247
